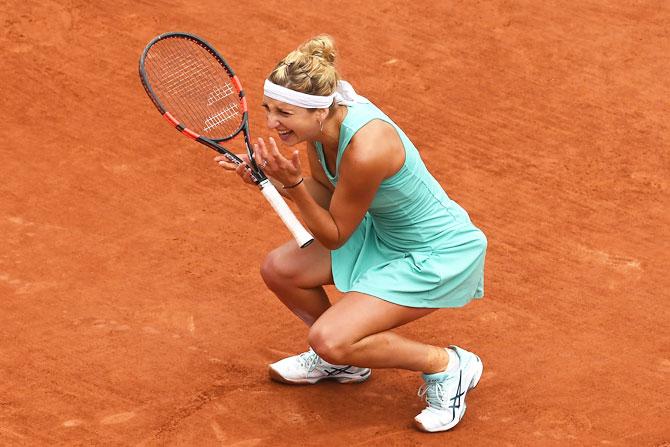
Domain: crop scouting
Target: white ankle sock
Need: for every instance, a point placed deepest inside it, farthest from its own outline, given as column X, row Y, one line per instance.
column 454, row 361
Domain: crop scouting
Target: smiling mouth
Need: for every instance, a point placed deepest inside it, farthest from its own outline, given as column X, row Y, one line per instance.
column 284, row 135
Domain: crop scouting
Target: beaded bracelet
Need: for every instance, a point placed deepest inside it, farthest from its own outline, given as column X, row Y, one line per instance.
column 294, row 185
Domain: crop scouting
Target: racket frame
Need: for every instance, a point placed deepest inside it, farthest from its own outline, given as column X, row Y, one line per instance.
column 302, row 237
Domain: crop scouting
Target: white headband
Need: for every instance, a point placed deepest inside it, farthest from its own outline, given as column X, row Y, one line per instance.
column 344, row 94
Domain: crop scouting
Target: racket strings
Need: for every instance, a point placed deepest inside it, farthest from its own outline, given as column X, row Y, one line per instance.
column 220, row 93
column 194, row 87
column 180, row 84
column 221, row 117
column 195, row 74
column 166, row 71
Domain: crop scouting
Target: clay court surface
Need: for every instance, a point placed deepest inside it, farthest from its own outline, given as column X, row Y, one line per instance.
column 132, row 312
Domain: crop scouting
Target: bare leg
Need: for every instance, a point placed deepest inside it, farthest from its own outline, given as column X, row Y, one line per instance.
column 356, row 331
column 297, row 275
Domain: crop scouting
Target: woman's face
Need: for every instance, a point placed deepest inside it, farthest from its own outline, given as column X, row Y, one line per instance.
column 293, row 124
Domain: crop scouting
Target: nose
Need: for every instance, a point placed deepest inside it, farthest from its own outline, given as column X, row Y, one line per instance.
column 272, row 122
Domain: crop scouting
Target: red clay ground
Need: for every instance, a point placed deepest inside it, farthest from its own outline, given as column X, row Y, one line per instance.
column 132, row 311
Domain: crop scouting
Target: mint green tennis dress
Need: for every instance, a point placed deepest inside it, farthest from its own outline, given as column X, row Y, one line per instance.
column 415, row 246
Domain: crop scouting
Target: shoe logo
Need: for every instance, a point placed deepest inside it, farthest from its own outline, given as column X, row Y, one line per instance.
column 337, row 371
column 456, row 400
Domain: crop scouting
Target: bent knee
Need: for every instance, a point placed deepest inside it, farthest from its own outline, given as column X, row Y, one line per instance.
column 329, row 344
column 274, row 270
column 291, row 266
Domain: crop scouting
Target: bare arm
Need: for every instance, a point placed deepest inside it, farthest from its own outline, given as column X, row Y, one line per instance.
column 375, row 153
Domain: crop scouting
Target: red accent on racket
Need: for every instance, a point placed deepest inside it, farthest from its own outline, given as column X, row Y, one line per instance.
column 195, row 89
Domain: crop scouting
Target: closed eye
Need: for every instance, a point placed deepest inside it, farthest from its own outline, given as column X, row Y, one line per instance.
column 281, row 111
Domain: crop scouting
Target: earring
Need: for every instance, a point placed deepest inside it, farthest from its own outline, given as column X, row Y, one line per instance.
column 321, row 126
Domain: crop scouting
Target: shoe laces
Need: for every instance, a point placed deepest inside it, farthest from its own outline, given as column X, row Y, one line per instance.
column 433, row 392
column 309, row 360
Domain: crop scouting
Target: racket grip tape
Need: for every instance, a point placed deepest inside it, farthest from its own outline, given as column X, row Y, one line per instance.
column 302, row 237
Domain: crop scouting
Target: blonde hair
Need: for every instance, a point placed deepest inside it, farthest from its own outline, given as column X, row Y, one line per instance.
column 310, row 68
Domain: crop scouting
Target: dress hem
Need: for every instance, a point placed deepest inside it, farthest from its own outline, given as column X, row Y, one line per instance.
column 422, row 304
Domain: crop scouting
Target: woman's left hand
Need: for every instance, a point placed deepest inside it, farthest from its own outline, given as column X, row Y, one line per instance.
column 275, row 165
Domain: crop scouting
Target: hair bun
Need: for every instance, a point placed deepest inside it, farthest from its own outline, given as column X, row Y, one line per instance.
column 310, row 68
column 322, row 46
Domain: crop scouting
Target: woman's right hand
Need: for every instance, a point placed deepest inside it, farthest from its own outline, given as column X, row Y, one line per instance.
column 242, row 169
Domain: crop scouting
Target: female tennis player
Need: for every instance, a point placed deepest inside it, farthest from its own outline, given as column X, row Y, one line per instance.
column 387, row 236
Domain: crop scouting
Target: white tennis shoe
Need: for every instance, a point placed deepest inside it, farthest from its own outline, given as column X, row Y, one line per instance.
column 445, row 393
column 309, row 368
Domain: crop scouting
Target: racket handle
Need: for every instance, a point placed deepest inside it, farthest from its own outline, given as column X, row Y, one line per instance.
column 302, row 237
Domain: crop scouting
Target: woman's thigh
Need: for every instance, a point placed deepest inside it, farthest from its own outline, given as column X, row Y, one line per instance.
column 303, row 267
column 358, row 315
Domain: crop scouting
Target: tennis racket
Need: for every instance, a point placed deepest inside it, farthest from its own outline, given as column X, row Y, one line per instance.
column 195, row 89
